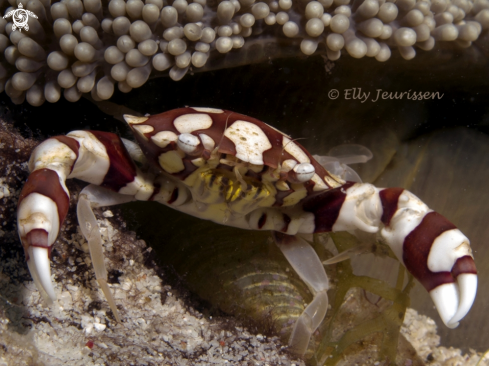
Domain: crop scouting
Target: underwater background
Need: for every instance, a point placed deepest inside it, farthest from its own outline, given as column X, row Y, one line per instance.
column 437, row 148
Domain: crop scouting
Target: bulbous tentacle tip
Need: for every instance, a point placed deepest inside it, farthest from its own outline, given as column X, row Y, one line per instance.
column 40, row 269
column 454, row 300
column 134, row 120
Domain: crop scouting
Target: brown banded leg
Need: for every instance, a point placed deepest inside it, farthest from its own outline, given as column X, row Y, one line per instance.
column 96, row 157
column 43, row 205
column 430, row 246
column 440, row 257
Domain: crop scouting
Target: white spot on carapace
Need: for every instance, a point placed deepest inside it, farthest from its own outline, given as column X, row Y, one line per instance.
column 133, row 120
column 288, row 165
column 293, row 149
column 163, row 138
column 171, row 162
column 207, row 141
column 250, row 141
column 189, row 123
column 141, row 130
column 188, row 143
column 207, row 110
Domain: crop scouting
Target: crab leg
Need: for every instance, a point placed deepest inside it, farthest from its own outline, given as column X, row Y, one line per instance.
column 306, row 263
column 430, row 246
column 95, row 196
column 95, row 157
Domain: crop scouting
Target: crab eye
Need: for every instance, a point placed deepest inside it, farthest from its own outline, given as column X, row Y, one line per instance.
column 188, row 143
column 304, row 171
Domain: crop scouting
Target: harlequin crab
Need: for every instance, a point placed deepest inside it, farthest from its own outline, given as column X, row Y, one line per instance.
column 238, row 171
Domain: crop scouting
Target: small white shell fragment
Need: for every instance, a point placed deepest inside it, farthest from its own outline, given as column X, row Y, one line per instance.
column 99, row 327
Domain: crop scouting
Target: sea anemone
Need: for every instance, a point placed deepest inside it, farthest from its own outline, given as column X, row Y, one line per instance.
column 88, row 46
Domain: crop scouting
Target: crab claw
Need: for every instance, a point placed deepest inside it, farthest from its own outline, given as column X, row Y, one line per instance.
column 454, row 300
column 39, row 267
column 432, row 248
column 43, row 204
column 440, row 257
column 38, row 224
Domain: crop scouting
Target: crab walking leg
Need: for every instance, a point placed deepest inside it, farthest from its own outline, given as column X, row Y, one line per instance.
column 95, row 157
column 429, row 245
column 306, row 263
column 94, row 196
